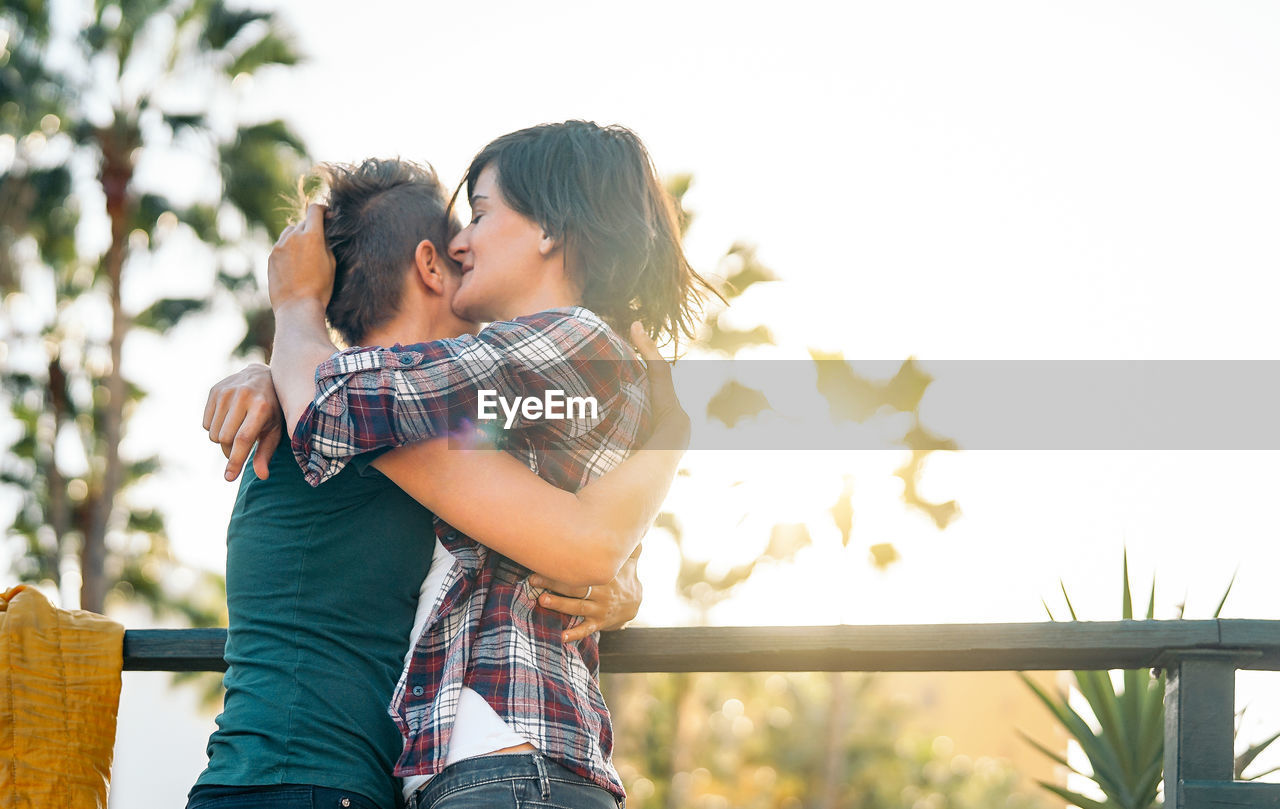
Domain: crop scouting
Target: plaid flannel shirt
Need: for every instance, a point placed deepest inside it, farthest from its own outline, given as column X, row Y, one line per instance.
column 487, row 631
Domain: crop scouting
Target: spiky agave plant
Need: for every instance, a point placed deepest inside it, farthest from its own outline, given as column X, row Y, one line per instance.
column 1126, row 750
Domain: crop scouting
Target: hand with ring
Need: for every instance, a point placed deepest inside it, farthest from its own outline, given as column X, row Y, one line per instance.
column 603, row 607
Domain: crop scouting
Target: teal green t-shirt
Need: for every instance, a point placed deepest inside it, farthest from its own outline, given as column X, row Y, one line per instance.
column 321, row 589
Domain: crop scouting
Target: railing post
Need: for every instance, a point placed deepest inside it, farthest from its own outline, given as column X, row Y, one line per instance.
column 1199, row 720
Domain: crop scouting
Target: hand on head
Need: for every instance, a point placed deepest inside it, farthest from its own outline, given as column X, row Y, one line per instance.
column 301, row 267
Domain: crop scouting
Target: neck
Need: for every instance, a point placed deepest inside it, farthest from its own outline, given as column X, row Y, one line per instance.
column 555, row 295
column 405, row 331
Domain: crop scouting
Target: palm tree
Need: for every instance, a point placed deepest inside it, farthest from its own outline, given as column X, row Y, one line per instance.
column 158, row 77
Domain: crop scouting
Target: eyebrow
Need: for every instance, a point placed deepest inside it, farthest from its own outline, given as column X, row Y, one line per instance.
column 476, row 197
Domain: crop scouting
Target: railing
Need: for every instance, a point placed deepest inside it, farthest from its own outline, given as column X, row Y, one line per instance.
column 1199, row 657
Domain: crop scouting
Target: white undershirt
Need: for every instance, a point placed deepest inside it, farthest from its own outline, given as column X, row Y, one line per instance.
column 477, row 728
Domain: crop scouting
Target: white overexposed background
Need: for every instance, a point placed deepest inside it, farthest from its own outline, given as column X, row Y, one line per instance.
column 949, row 180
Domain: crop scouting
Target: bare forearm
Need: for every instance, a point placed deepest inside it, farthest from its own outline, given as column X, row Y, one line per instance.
column 302, row 344
column 581, row 538
column 494, row 499
column 625, row 502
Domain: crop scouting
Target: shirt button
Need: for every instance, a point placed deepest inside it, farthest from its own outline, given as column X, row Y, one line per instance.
column 417, row 690
column 345, row 802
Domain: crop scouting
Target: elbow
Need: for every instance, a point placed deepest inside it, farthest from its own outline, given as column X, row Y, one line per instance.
column 585, row 553
column 292, row 418
column 293, row 406
column 603, row 556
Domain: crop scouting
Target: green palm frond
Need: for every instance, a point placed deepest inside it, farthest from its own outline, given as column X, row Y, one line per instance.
column 1107, row 767
column 1076, row 798
column 1223, row 602
column 1125, row 745
column 189, row 47
column 1063, row 586
column 1057, row 758
column 223, row 25
column 1247, row 757
column 1126, row 748
column 258, row 168
column 271, row 49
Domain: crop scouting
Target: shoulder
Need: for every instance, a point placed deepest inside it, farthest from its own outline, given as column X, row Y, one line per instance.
column 569, row 331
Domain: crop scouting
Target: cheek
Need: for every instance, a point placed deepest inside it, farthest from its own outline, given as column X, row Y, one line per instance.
column 481, row 242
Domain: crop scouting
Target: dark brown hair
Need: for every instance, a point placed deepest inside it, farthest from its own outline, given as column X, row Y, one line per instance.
column 596, row 191
column 378, row 212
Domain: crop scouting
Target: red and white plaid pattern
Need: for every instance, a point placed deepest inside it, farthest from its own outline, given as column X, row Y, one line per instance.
column 487, row 631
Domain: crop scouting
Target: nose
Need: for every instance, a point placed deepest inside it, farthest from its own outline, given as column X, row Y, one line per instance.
column 460, row 244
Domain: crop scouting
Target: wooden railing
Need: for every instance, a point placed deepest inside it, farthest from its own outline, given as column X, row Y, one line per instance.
column 1199, row 657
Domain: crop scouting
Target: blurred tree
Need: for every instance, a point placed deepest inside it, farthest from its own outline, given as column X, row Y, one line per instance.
column 156, row 81
column 753, row 745
column 851, row 397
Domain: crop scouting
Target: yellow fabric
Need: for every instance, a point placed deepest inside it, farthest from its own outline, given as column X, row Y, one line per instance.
column 59, row 692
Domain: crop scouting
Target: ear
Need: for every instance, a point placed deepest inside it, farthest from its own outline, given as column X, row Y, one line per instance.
column 427, row 265
column 548, row 244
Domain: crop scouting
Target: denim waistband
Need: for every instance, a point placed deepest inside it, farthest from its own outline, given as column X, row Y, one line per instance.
column 277, row 796
column 491, row 769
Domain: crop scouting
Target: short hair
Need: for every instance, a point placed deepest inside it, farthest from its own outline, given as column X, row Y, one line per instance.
column 378, row 212
column 595, row 189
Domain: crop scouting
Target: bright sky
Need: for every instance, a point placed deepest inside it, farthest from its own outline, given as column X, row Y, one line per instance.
column 977, row 180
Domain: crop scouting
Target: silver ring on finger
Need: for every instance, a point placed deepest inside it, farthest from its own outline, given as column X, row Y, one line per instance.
column 588, row 595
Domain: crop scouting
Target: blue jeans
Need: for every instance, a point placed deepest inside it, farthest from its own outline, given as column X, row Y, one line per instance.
column 510, row 781
column 277, row 796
